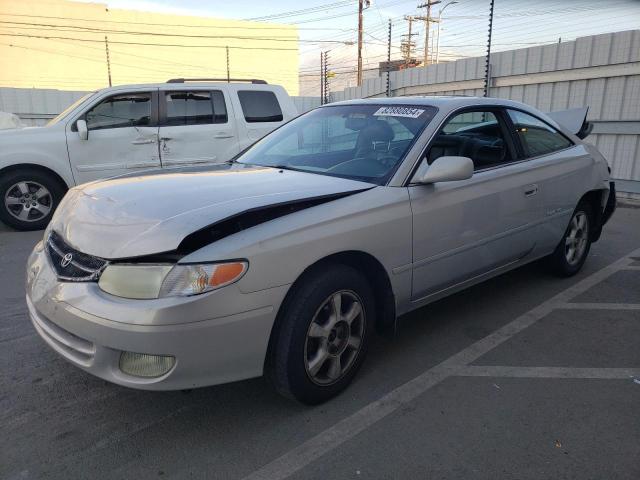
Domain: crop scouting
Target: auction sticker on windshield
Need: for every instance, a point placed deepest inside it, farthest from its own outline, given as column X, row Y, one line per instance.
column 399, row 112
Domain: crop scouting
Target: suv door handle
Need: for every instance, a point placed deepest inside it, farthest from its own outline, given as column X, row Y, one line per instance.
column 530, row 190
column 223, row 135
column 143, row 141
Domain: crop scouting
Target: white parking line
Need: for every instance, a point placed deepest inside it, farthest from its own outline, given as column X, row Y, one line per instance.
column 600, row 306
column 546, row 372
column 334, row 436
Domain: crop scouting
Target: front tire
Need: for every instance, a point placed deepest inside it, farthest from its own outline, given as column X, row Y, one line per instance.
column 573, row 249
column 322, row 336
column 28, row 198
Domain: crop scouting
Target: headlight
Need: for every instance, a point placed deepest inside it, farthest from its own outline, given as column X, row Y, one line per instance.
column 157, row 281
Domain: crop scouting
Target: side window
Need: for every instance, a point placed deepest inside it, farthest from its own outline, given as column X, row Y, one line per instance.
column 118, row 111
column 478, row 135
column 260, row 106
column 537, row 137
column 195, row 108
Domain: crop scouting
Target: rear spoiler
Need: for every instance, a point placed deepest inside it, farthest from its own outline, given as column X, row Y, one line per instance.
column 574, row 120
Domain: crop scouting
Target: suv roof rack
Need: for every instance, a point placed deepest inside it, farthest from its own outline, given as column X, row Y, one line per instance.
column 228, row 80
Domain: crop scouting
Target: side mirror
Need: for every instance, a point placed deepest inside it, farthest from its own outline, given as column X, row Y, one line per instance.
column 83, row 131
column 448, row 169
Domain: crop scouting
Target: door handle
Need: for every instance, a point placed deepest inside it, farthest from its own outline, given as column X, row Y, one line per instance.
column 531, row 190
column 223, row 135
column 165, row 139
column 143, row 141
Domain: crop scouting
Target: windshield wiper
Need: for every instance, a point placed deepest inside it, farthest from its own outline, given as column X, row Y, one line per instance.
column 286, row 167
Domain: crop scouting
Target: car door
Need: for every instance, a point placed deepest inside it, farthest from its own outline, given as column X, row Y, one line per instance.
column 464, row 229
column 560, row 167
column 123, row 137
column 195, row 128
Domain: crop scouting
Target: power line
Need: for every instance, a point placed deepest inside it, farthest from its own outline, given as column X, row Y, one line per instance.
column 74, row 28
column 143, row 43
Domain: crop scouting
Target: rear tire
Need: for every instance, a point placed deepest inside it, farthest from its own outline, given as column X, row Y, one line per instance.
column 28, row 198
column 573, row 249
column 322, row 334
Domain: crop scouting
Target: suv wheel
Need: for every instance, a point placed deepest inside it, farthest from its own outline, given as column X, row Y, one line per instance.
column 28, row 199
column 323, row 335
column 572, row 251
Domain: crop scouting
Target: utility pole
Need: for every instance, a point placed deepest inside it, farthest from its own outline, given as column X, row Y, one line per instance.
column 406, row 46
column 427, row 26
column 362, row 4
column 228, row 70
column 487, row 67
column 389, row 57
column 106, row 48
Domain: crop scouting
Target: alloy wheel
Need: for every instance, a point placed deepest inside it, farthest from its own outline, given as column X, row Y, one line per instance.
column 28, row 201
column 577, row 238
column 334, row 338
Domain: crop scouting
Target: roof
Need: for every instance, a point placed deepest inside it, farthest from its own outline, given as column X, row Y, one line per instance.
column 174, row 85
column 433, row 100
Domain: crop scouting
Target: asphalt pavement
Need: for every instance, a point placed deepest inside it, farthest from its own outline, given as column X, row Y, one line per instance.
column 526, row 376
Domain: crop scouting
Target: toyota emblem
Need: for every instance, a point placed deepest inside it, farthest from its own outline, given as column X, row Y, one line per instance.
column 66, row 260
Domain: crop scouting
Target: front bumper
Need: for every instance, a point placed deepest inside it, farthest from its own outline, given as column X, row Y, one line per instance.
column 208, row 351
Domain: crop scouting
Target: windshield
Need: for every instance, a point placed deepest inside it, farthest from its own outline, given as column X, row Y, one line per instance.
column 66, row 111
column 360, row 142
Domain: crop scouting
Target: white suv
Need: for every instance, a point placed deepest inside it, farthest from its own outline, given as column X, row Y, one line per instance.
column 121, row 129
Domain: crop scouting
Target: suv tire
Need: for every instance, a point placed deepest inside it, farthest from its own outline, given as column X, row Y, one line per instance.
column 28, row 198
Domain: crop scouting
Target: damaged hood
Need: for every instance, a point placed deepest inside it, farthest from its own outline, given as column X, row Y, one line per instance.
column 140, row 215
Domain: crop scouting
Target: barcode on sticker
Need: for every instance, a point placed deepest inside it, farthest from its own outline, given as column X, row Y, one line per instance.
column 399, row 112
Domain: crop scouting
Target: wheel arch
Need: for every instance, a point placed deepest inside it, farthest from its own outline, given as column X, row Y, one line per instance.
column 41, row 168
column 595, row 199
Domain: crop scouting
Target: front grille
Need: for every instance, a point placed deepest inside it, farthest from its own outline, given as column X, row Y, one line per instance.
column 70, row 264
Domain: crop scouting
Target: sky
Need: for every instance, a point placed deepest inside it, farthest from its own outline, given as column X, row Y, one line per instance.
column 331, row 25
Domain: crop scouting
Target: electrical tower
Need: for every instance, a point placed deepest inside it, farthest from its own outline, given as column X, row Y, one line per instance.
column 407, row 44
column 427, row 26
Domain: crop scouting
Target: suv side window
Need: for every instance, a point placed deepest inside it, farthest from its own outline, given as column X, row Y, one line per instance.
column 479, row 135
column 537, row 137
column 260, row 106
column 119, row 111
column 196, row 107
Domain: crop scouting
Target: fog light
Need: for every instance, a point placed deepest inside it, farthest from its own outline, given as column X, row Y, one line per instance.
column 145, row 365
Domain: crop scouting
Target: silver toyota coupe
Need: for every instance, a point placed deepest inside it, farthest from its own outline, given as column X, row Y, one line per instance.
column 286, row 260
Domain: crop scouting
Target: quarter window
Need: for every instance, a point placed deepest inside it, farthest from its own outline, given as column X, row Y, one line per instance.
column 478, row 135
column 537, row 137
column 195, row 108
column 127, row 110
column 260, row 106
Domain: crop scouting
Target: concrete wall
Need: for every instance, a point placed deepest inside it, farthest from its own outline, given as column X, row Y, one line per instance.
column 64, row 48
